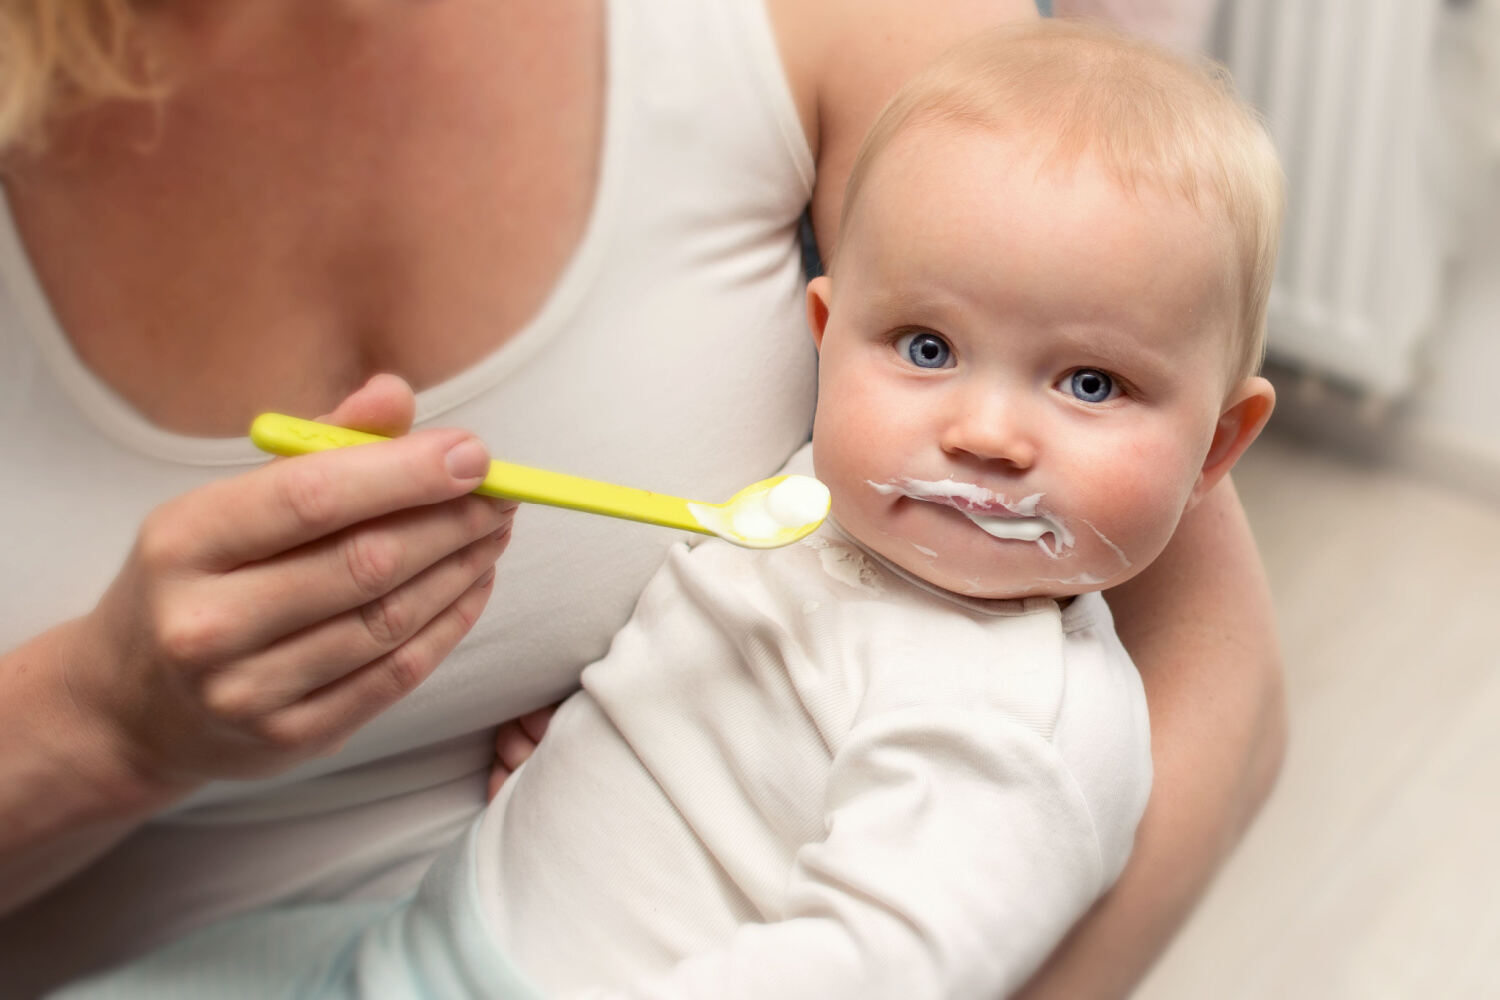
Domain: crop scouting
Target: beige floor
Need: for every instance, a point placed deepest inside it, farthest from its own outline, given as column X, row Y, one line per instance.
column 1374, row 870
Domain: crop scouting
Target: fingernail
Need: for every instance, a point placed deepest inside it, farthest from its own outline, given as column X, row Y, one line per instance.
column 467, row 460
column 486, row 578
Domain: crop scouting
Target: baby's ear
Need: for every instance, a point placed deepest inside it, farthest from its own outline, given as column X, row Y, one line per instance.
column 1244, row 417
column 819, row 301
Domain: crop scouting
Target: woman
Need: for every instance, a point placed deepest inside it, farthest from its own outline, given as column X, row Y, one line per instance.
column 571, row 226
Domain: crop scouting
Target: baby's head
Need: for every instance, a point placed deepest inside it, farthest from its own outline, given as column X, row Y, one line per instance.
column 1039, row 333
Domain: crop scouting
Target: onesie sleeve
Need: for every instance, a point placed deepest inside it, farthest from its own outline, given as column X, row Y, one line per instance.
column 958, row 853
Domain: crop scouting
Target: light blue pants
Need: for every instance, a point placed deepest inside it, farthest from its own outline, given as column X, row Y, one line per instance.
column 430, row 945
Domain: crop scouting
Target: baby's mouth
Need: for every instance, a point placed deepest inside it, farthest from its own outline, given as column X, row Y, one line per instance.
column 1012, row 526
column 1020, row 520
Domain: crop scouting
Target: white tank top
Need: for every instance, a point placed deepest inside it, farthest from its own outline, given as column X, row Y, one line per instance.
column 672, row 354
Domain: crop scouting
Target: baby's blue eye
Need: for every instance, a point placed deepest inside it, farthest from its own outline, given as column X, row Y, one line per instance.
column 1091, row 385
column 925, row 350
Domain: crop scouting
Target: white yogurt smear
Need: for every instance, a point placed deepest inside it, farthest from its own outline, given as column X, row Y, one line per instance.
column 1124, row 560
column 846, row 565
column 1022, row 529
column 1026, row 524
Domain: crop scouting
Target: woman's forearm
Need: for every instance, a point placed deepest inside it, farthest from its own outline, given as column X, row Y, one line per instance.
column 66, row 795
column 1199, row 624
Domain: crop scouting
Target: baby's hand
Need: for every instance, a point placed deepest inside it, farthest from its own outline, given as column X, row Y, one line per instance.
column 514, row 742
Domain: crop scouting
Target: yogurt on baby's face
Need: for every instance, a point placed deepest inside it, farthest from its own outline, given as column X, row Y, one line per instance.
column 971, row 539
column 1020, row 520
column 1020, row 529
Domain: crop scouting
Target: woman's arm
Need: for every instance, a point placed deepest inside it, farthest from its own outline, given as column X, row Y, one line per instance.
column 66, row 796
column 1199, row 625
column 845, row 58
column 257, row 622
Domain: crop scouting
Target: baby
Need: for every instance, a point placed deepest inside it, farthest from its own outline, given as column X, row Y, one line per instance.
column 902, row 757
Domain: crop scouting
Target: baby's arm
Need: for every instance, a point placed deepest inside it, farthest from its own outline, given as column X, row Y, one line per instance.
column 1199, row 624
column 958, row 853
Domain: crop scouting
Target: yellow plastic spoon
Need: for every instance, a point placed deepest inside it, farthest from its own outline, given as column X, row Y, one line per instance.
column 763, row 515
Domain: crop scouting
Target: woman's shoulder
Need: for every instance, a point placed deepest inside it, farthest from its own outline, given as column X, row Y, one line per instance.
column 845, row 58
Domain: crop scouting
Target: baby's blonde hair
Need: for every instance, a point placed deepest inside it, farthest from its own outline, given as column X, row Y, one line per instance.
column 1148, row 116
column 58, row 56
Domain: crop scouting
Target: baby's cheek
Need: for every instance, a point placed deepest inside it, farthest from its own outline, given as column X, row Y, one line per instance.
column 1136, row 517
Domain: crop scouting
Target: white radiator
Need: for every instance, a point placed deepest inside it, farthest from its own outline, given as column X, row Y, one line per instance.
column 1347, row 88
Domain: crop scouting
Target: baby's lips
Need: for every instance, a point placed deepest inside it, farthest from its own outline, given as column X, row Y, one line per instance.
column 999, row 509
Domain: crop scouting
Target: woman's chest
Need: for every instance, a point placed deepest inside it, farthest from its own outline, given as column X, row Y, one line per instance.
column 273, row 234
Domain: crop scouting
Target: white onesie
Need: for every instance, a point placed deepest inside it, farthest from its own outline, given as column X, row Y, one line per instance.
column 799, row 773
column 811, row 775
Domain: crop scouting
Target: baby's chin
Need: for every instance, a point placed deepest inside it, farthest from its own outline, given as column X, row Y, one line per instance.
column 975, row 582
column 1014, row 570
column 930, row 568
column 1009, row 590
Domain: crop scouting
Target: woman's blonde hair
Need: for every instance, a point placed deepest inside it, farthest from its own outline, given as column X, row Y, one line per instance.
column 58, row 56
column 1148, row 116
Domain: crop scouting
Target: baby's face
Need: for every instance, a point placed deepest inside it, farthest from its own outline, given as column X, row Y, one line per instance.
column 1020, row 371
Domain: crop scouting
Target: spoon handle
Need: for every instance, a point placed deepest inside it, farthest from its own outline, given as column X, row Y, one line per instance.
column 280, row 434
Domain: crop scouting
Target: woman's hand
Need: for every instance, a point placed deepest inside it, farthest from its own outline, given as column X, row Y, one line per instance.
column 261, row 620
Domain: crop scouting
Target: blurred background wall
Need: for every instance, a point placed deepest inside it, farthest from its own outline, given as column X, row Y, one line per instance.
column 1388, row 116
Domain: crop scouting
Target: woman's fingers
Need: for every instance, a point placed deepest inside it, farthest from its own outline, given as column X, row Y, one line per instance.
column 364, row 565
column 263, row 619
column 383, row 405
column 327, row 716
column 286, row 504
column 302, row 663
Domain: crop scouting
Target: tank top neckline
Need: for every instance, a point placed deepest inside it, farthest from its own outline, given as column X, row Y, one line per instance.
column 107, row 411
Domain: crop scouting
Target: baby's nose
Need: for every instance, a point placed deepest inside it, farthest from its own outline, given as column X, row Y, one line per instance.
column 993, row 426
